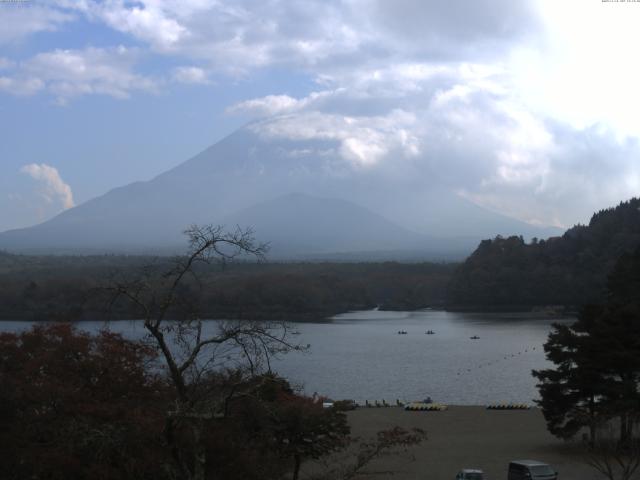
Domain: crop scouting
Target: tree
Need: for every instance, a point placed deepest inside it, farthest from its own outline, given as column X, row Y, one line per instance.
column 570, row 393
column 74, row 405
column 570, row 270
column 393, row 441
column 306, row 430
column 617, row 330
column 612, row 459
column 190, row 351
column 78, row 406
column 275, row 427
column 597, row 362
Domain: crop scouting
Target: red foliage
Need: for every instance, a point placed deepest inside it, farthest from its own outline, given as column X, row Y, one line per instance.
column 78, row 406
column 73, row 405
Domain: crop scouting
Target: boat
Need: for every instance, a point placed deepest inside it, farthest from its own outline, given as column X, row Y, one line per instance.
column 430, row 332
column 475, row 337
column 402, row 332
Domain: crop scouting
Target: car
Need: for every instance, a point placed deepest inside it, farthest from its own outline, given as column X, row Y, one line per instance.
column 470, row 474
column 531, row 470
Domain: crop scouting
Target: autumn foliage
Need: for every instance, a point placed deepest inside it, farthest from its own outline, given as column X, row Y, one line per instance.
column 78, row 406
column 73, row 405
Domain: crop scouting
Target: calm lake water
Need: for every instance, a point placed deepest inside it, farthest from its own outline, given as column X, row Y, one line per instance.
column 361, row 356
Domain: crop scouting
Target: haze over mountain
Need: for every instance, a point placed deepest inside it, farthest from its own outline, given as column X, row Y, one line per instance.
column 248, row 179
column 410, row 109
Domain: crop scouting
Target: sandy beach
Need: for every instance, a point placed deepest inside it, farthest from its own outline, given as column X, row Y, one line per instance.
column 468, row 437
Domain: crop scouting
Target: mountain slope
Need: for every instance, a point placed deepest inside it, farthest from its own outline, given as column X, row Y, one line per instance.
column 244, row 170
column 299, row 223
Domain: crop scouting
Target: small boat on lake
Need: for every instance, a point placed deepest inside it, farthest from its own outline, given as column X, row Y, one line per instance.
column 402, row 332
column 430, row 332
column 475, row 337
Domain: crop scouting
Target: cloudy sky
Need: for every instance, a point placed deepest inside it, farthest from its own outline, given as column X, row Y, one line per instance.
column 526, row 108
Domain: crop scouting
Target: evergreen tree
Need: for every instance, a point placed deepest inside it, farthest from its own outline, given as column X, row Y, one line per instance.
column 618, row 332
column 570, row 270
column 571, row 393
column 597, row 374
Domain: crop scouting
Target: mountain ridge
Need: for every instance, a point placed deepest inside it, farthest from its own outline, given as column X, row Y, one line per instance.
column 243, row 171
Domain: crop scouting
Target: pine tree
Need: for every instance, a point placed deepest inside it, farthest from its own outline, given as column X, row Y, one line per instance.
column 597, row 373
column 571, row 393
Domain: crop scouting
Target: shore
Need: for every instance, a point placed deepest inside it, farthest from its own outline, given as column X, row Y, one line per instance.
column 468, row 437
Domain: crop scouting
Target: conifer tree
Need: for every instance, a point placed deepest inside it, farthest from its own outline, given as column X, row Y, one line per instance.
column 571, row 393
column 597, row 373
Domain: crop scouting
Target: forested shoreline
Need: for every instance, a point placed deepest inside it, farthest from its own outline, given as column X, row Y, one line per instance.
column 565, row 272
column 74, row 287
column 553, row 276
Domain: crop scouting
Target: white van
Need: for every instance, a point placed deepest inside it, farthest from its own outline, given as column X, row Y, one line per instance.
column 531, row 470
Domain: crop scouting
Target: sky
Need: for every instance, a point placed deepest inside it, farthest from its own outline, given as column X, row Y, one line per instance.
column 527, row 108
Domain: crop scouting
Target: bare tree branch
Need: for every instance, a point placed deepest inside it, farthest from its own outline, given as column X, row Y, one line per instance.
column 615, row 460
column 188, row 352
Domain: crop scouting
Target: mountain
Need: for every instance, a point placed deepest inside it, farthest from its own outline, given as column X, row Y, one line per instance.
column 241, row 175
column 567, row 270
column 300, row 225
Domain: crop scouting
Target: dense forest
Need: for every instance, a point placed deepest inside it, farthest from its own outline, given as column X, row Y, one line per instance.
column 570, row 270
column 72, row 287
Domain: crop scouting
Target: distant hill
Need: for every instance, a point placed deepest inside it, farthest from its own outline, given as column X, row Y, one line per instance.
column 306, row 226
column 236, row 181
column 302, row 224
column 567, row 270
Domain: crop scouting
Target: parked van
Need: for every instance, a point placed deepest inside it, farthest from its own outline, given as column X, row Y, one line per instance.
column 531, row 470
column 470, row 474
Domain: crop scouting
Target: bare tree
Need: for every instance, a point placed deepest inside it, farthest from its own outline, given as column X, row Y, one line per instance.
column 191, row 350
column 614, row 459
column 394, row 441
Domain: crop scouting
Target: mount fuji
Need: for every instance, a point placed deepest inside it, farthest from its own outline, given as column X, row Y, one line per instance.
column 299, row 195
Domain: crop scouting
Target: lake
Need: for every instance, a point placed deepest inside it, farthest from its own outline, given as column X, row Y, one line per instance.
column 360, row 355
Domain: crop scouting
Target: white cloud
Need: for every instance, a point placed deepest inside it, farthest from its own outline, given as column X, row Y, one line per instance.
column 462, row 133
column 517, row 105
column 193, row 75
column 148, row 21
column 268, row 106
column 21, row 86
column 236, row 36
column 17, row 22
column 53, row 187
column 72, row 73
column 582, row 71
column 362, row 141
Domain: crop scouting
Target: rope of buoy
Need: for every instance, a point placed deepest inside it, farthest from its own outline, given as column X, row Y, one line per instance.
column 508, row 406
column 381, row 404
column 425, row 407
